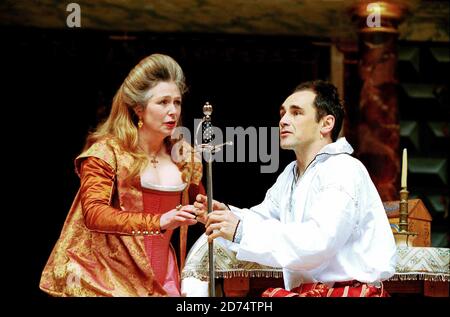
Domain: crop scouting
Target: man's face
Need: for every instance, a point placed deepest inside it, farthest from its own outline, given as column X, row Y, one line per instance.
column 298, row 126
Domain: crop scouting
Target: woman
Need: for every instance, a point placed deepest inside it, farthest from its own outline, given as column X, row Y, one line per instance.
column 135, row 190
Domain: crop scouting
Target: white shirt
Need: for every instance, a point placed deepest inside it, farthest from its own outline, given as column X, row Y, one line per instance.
column 331, row 228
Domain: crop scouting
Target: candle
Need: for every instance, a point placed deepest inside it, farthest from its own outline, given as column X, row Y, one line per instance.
column 404, row 168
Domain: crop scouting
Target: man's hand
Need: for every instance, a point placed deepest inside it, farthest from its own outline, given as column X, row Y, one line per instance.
column 221, row 223
column 201, row 206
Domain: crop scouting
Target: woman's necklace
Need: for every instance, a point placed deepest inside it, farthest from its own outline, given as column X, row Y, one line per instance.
column 148, row 151
column 153, row 160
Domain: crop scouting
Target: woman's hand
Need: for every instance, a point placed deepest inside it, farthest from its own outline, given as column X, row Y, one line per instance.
column 184, row 215
column 201, row 206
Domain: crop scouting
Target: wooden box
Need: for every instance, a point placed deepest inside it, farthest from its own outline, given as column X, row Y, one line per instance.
column 419, row 220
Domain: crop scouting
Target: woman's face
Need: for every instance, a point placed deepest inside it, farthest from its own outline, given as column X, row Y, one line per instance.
column 163, row 109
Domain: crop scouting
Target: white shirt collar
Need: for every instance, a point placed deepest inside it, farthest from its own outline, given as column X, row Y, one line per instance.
column 341, row 146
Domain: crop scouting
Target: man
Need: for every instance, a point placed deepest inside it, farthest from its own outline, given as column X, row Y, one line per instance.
column 322, row 221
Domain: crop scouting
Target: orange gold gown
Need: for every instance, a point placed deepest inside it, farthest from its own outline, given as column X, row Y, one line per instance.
column 104, row 248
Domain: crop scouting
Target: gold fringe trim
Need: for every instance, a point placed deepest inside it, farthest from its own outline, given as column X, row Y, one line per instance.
column 435, row 277
column 266, row 274
column 203, row 276
column 416, row 276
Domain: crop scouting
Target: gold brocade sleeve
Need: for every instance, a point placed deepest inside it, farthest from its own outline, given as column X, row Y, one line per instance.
column 96, row 190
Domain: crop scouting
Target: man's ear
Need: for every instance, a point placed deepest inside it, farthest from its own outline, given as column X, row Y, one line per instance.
column 327, row 124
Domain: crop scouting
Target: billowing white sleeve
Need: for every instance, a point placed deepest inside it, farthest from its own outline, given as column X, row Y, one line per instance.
column 301, row 246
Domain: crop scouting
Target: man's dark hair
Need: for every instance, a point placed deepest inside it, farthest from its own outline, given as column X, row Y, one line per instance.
column 326, row 102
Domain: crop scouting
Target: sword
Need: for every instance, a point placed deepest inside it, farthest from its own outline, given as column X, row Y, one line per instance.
column 209, row 149
column 207, row 137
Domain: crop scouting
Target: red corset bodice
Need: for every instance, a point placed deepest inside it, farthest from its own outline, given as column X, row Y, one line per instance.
column 158, row 247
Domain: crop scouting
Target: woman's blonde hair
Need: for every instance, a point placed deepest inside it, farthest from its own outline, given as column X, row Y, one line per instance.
column 121, row 123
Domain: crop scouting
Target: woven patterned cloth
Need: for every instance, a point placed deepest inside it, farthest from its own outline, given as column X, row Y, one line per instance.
column 422, row 263
column 413, row 263
column 226, row 264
